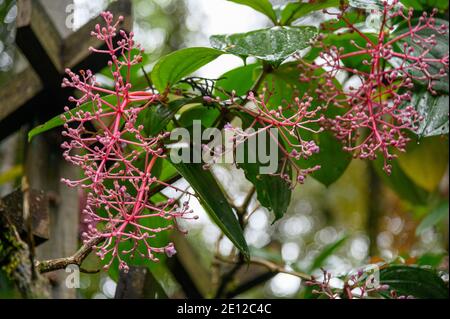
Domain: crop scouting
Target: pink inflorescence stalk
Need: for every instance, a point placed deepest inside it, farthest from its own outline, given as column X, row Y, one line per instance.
column 116, row 156
column 378, row 110
column 290, row 120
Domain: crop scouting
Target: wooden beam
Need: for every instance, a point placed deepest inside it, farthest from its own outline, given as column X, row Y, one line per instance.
column 76, row 47
column 20, row 88
column 12, row 206
column 48, row 55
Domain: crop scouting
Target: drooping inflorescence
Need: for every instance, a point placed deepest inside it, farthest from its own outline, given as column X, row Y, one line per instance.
column 283, row 126
column 117, row 157
column 378, row 111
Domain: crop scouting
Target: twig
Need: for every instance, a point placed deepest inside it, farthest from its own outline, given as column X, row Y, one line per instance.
column 269, row 265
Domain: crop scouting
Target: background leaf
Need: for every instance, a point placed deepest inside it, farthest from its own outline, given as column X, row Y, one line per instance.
column 326, row 252
column 176, row 65
column 399, row 182
column 433, row 218
column 425, row 161
column 263, row 6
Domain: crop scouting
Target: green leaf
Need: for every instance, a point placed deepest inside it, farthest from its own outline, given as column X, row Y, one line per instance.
column 399, row 182
column 284, row 85
column 240, row 80
column 263, row 6
column 206, row 115
column 435, row 52
column 366, row 4
column 414, row 281
column 155, row 118
column 273, row 45
column 59, row 121
column 433, row 218
column 326, row 252
column 331, row 157
column 426, row 5
column 344, row 40
column 214, row 202
column 425, row 161
column 176, row 65
column 272, row 191
column 295, row 10
column 434, row 110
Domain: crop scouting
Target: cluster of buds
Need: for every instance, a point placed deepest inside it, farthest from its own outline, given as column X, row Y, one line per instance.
column 290, row 121
column 378, row 110
column 117, row 157
column 356, row 286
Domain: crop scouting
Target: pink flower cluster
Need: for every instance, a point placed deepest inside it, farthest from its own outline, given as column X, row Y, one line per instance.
column 116, row 156
column 378, row 112
column 290, row 120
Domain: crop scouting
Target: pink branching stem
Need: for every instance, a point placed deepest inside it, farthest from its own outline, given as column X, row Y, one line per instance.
column 290, row 121
column 378, row 111
column 117, row 157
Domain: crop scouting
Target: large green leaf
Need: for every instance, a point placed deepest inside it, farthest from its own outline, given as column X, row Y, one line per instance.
column 345, row 40
column 214, row 202
column 155, row 118
column 263, row 6
column 176, row 65
column 433, row 218
column 333, row 160
column 433, row 52
column 272, row 191
column 207, row 116
column 273, row 45
column 426, row 5
column 414, row 281
column 59, row 119
column 284, row 84
column 295, row 10
column 366, row 4
column 239, row 80
column 434, row 110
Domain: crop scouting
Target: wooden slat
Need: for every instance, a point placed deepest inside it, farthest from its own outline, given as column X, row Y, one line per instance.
column 76, row 47
column 19, row 89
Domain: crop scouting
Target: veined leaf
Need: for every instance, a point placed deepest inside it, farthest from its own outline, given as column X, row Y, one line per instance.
column 295, row 10
column 434, row 52
column 273, row 45
column 434, row 110
column 214, row 202
column 59, row 121
column 176, row 65
column 414, row 281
